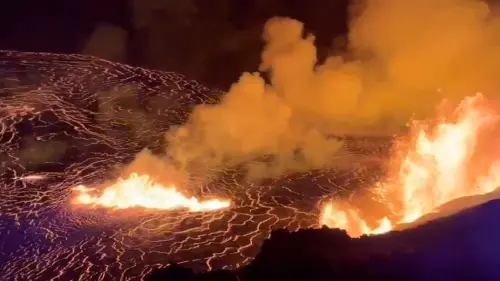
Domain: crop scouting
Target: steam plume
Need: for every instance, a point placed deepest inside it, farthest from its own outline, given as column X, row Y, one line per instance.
column 403, row 57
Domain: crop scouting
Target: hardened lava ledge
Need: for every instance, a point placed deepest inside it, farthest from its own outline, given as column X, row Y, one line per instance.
column 70, row 119
column 461, row 247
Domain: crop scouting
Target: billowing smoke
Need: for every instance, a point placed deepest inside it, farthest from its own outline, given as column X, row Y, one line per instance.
column 414, row 53
column 403, row 57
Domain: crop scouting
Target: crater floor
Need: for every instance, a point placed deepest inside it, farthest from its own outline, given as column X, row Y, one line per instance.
column 69, row 119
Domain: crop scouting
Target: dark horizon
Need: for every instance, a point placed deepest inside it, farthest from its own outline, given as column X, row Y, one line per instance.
column 205, row 35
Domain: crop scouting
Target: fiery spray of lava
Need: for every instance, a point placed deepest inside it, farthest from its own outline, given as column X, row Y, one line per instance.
column 142, row 191
column 440, row 164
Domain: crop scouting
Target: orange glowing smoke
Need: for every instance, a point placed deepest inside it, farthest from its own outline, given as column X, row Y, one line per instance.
column 142, row 191
column 439, row 166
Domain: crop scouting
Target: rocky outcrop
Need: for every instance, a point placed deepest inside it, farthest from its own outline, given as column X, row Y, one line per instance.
column 464, row 246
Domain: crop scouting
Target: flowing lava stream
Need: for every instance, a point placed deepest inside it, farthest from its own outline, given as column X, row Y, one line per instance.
column 440, row 164
column 142, row 191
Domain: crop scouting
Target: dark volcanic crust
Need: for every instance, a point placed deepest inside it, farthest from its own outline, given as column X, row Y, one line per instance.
column 462, row 247
column 70, row 119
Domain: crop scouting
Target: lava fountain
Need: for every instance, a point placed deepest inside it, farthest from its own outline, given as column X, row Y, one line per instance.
column 439, row 162
column 142, row 191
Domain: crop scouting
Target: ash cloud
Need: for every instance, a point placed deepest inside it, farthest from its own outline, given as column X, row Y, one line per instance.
column 402, row 59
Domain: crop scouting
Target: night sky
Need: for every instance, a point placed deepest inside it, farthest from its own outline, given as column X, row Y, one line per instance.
column 193, row 37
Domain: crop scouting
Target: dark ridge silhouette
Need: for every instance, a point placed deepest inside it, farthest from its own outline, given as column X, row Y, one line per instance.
column 464, row 246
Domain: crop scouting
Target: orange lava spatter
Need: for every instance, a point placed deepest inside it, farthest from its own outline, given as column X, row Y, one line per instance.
column 142, row 191
column 440, row 164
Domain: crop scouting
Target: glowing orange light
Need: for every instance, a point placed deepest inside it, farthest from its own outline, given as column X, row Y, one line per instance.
column 142, row 191
column 434, row 171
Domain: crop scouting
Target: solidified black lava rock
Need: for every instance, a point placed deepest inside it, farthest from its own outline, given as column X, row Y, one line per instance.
column 465, row 246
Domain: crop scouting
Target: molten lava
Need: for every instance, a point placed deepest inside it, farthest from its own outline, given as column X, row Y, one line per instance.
column 142, row 191
column 439, row 165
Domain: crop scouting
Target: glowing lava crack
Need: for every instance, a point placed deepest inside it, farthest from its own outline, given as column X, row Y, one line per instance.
column 142, row 191
column 66, row 120
column 92, row 129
